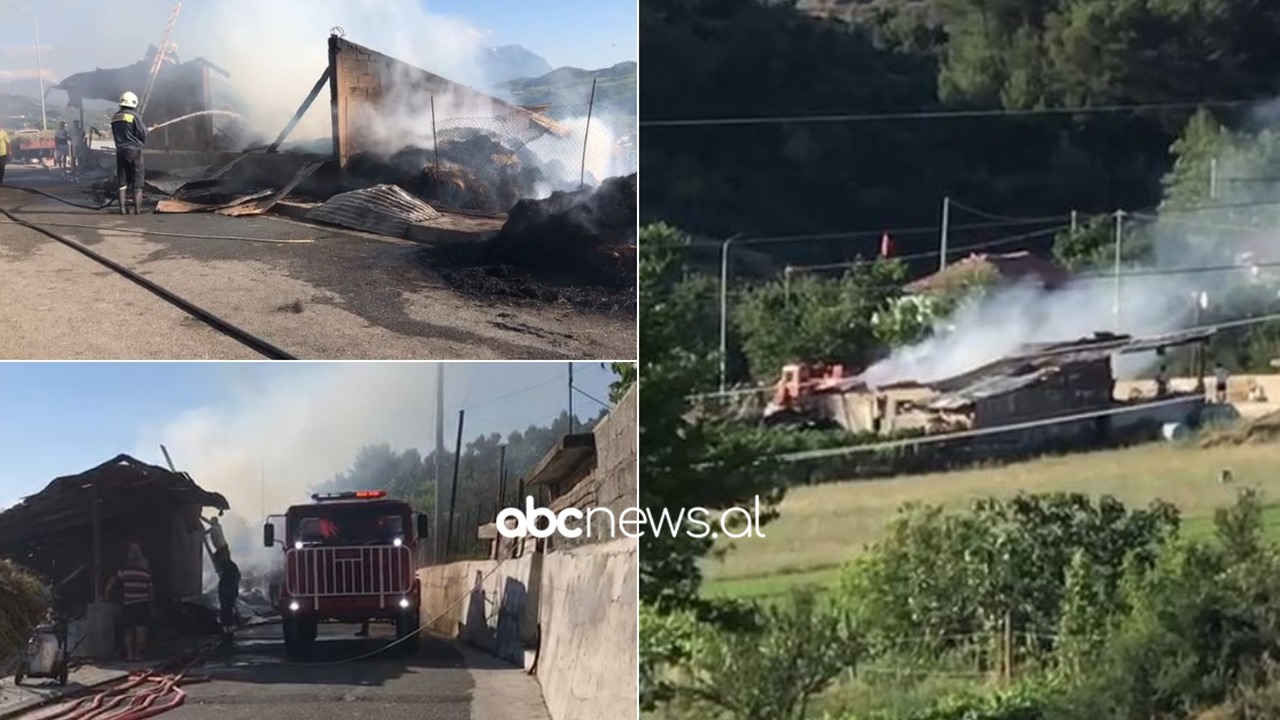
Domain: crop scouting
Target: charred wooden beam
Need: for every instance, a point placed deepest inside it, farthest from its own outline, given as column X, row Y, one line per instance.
column 302, row 110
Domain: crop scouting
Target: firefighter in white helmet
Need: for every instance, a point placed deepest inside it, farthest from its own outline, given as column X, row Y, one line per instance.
column 130, row 134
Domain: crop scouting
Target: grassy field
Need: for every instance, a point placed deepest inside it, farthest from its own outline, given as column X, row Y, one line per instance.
column 822, row 526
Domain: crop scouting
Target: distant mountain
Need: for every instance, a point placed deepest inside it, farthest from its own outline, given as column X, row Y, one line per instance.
column 26, row 88
column 568, row 90
column 510, row 62
column 20, row 111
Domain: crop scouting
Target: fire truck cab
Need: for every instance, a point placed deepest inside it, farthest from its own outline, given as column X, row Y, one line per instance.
column 349, row 558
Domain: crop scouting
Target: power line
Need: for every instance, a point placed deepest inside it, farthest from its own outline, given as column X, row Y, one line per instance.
column 852, row 234
column 934, row 253
column 936, row 114
column 513, row 393
column 601, row 403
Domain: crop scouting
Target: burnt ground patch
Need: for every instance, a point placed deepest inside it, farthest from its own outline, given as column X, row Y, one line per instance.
column 577, row 248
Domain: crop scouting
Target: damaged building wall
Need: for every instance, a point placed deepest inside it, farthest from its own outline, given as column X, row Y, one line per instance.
column 186, row 89
column 363, row 78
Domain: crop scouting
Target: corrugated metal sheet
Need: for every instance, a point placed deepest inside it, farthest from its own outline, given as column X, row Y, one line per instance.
column 988, row 387
column 384, row 209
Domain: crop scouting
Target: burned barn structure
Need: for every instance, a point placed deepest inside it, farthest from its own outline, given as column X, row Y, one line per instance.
column 80, row 527
column 178, row 89
column 1051, row 394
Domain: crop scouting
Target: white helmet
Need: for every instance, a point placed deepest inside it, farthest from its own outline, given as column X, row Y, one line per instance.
column 129, row 100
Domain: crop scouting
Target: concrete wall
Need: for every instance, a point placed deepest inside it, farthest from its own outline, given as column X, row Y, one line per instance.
column 575, row 606
column 367, row 84
column 484, row 604
column 612, row 484
column 588, row 661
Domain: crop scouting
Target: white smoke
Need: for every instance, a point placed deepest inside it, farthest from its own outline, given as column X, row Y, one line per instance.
column 269, row 445
column 1205, row 265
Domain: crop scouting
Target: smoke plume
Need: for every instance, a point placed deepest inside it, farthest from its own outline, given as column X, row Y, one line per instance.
column 267, row 447
column 1204, row 267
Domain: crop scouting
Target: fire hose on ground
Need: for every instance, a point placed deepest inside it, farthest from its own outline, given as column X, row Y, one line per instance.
column 149, row 693
column 145, row 694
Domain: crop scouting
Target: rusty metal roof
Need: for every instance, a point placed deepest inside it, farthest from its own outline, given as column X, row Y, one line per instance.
column 384, row 209
column 988, row 387
column 122, row 484
column 1100, row 347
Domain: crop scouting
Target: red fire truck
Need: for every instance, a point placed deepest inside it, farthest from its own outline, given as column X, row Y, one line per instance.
column 349, row 558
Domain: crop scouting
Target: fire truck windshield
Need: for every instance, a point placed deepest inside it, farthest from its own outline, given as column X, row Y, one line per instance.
column 348, row 526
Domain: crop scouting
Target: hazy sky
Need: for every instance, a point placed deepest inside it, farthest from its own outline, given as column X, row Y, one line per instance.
column 226, row 423
column 246, row 35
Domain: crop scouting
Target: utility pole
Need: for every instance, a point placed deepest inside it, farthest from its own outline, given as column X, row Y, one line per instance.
column 453, row 494
column 1119, row 240
column 570, row 398
column 724, row 307
column 1075, row 222
column 946, row 224
column 44, row 118
column 435, row 523
column 1213, row 178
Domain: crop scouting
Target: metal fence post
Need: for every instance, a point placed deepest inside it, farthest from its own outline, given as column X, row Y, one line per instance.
column 435, row 141
column 586, row 135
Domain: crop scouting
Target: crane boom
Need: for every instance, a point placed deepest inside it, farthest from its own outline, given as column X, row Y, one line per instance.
column 161, row 53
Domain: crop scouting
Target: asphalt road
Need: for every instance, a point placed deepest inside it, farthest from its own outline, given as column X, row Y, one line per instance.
column 253, row 680
column 316, row 292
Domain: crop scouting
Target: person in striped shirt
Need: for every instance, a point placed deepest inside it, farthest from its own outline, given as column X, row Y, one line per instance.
column 135, row 581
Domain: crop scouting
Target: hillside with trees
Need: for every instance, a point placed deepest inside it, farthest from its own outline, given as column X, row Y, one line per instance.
column 1041, row 119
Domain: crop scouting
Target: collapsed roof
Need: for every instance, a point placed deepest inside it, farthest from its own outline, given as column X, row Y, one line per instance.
column 109, row 84
column 121, row 485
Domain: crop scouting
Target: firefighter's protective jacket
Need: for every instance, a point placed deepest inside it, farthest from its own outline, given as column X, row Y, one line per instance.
column 129, row 130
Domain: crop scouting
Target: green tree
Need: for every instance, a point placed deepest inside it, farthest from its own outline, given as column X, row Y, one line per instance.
column 690, row 459
column 816, row 319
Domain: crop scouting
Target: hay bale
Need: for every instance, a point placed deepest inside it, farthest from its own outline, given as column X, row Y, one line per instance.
column 26, row 600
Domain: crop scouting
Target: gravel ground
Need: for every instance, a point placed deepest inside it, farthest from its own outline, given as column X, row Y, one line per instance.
column 315, row 292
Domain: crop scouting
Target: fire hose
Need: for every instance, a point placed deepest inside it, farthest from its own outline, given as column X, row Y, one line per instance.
column 145, row 694
column 149, row 693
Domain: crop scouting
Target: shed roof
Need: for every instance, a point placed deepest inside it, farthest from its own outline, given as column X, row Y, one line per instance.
column 572, row 456
column 121, row 483
column 1010, row 267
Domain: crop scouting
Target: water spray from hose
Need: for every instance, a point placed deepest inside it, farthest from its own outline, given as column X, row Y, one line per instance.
column 166, row 123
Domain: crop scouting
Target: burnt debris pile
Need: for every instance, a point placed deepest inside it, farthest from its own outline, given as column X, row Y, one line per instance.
column 556, row 249
column 475, row 173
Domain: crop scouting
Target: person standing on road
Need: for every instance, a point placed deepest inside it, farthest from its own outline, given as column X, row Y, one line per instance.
column 130, row 134
column 4, row 153
column 61, row 146
column 228, row 589
column 138, row 592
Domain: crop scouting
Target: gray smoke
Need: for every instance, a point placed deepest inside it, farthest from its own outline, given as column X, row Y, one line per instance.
column 1159, row 297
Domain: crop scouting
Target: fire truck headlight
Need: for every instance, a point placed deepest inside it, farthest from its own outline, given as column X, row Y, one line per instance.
column 404, row 603
column 294, row 606
column 397, row 542
column 298, row 544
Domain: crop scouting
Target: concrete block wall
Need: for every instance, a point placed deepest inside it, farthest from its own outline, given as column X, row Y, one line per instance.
column 577, row 605
column 587, row 664
column 483, row 603
column 364, row 78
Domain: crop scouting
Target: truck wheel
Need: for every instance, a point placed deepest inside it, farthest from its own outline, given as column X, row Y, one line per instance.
column 407, row 627
column 296, row 640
